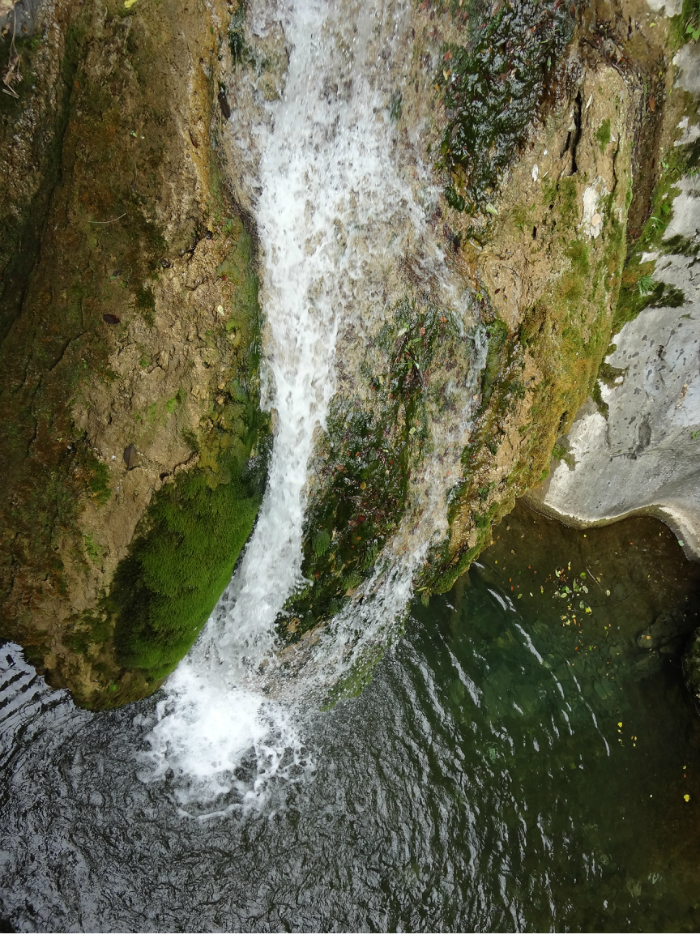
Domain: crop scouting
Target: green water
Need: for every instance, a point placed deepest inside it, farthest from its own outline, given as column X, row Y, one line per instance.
column 481, row 782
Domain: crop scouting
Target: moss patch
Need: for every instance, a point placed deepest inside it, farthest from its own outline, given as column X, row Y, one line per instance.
column 492, row 87
column 164, row 592
column 603, row 135
column 639, row 290
column 565, row 334
column 367, row 457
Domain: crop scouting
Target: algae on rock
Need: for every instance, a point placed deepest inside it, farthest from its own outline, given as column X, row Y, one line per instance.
column 533, row 218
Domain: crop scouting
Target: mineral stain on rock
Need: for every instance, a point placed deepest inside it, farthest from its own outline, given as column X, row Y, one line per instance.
column 130, row 456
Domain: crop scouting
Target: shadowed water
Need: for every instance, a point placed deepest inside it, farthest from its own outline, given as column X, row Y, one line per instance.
column 480, row 782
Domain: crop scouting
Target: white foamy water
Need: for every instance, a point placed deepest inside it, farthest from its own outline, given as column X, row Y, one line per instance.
column 334, row 218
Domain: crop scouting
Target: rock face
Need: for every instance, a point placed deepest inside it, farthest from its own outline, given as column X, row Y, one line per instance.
column 537, row 229
column 636, row 450
column 536, row 141
column 128, row 387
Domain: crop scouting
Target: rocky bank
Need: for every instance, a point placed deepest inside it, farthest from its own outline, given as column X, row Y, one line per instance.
column 132, row 443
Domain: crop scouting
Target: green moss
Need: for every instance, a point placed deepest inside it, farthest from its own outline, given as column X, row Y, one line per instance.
column 492, row 86
column 579, row 253
column 321, row 543
column 95, row 475
column 93, row 629
column 639, row 290
column 497, row 335
column 146, row 304
column 356, row 680
column 173, row 403
column 165, row 590
column 236, row 35
column 454, row 566
column 603, row 134
column 685, row 25
column 368, row 455
column 93, row 551
column 602, row 405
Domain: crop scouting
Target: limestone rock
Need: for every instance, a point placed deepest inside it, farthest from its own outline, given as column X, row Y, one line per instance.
column 120, row 241
column 638, row 449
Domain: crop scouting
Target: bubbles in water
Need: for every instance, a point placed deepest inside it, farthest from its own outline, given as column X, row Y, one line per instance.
column 212, row 744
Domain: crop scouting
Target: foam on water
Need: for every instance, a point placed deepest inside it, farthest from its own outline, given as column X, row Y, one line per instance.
column 331, row 210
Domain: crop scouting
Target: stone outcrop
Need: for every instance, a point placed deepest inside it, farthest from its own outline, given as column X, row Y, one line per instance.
column 128, row 387
column 636, row 448
column 539, row 235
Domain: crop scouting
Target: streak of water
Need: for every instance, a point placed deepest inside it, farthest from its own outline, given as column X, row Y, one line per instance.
column 334, row 218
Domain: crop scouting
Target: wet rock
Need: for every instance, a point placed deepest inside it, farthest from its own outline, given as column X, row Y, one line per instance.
column 130, row 456
column 149, row 390
column 691, row 665
column 224, row 104
column 667, row 629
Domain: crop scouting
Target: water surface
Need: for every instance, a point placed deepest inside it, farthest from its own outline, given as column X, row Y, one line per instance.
column 481, row 781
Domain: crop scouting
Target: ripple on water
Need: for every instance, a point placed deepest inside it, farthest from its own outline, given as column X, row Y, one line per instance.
column 480, row 782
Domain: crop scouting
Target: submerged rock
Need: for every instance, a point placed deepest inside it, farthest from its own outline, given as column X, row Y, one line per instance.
column 669, row 630
column 691, row 666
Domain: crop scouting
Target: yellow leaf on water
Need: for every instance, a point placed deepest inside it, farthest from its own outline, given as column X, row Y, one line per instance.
column 686, row 797
column 129, row 3
column 620, row 723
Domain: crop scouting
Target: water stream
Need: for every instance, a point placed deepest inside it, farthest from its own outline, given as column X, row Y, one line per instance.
column 335, row 218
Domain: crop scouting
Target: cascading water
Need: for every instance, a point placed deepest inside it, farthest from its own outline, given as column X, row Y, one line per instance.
column 335, row 218
column 505, row 769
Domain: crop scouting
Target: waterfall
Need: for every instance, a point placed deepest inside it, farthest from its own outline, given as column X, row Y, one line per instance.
column 334, row 216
